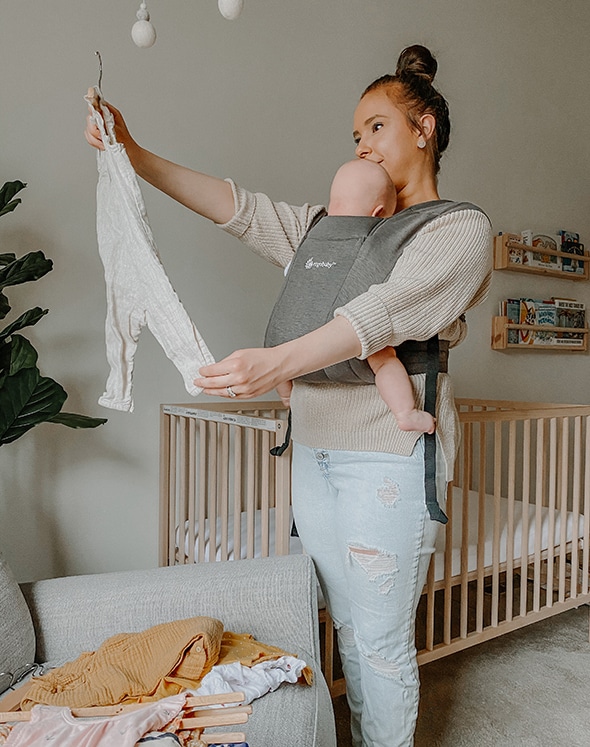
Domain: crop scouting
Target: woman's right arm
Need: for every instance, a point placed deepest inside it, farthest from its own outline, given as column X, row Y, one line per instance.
column 206, row 195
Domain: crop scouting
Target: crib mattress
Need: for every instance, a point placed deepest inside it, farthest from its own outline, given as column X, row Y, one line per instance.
column 544, row 532
column 528, row 530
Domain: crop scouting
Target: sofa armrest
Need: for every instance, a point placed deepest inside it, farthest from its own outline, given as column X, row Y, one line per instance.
column 274, row 599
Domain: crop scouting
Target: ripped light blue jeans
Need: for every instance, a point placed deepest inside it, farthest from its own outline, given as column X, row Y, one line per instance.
column 362, row 518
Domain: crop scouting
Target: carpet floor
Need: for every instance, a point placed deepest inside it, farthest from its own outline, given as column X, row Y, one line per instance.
column 529, row 688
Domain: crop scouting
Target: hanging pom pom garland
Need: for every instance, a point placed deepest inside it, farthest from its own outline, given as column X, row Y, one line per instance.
column 143, row 33
column 230, row 9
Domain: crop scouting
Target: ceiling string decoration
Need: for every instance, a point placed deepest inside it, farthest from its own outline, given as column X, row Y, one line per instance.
column 143, row 32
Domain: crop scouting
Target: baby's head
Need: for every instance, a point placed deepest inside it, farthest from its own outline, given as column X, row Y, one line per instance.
column 362, row 187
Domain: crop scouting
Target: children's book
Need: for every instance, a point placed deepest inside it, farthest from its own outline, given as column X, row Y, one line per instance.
column 569, row 242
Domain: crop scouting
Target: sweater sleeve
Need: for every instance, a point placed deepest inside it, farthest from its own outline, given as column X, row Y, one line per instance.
column 444, row 270
column 273, row 230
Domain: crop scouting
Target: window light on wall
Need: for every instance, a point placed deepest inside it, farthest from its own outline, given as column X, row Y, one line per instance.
column 143, row 32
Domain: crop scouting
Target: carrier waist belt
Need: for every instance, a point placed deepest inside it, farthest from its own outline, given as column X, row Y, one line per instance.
column 414, row 356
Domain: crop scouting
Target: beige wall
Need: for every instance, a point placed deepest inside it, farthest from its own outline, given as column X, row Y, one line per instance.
column 267, row 99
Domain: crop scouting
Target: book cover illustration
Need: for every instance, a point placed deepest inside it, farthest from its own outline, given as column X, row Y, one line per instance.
column 546, row 261
column 570, row 243
column 555, row 314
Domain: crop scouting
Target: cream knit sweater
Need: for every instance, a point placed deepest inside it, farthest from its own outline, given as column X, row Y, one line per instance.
column 444, row 271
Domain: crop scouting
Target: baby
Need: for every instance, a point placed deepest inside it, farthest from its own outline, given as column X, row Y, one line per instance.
column 362, row 187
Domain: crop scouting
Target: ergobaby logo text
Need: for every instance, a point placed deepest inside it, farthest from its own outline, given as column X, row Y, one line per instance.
column 310, row 264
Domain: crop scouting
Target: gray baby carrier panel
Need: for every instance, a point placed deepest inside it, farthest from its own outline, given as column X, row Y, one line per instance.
column 338, row 260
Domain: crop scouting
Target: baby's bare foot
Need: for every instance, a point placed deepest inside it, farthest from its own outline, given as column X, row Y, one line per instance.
column 416, row 420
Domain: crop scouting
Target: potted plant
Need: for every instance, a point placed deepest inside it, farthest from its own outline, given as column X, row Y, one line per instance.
column 26, row 397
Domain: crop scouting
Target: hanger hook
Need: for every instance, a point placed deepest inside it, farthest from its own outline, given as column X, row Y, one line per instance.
column 99, row 70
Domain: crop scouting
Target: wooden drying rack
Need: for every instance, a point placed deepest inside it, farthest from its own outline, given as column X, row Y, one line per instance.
column 198, row 713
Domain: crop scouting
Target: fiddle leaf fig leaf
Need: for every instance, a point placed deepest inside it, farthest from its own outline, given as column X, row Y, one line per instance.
column 4, row 306
column 7, row 192
column 27, row 399
column 6, row 259
column 77, row 421
column 22, row 354
column 28, row 319
column 30, row 267
column 11, row 206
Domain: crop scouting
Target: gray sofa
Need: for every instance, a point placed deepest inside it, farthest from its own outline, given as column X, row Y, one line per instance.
column 274, row 599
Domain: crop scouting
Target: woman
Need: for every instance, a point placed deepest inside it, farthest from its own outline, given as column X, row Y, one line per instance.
column 358, row 494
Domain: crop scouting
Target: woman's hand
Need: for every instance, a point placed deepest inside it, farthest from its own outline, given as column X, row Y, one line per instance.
column 255, row 371
column 92, row 133
column 244, row 374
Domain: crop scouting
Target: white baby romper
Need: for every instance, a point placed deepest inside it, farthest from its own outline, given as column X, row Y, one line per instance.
column 138, row 290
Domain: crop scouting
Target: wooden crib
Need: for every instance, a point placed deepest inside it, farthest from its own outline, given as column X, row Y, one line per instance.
column 515, row 549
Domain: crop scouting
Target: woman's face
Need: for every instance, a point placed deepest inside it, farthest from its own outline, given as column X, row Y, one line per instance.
column 383, row 134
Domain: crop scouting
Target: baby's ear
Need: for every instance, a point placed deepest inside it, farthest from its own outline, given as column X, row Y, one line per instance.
column 378, row 212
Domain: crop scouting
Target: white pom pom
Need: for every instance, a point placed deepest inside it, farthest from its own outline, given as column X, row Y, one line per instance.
column 143, row 34
column 230, row 9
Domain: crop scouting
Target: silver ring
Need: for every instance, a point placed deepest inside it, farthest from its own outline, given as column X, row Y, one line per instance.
column 231, row 392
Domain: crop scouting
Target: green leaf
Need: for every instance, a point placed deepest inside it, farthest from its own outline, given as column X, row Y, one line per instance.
column 4, row 306
column 8, row 191
column 28, row 319
column 11, row 206
column 22, row 354
column 27, row 399
column 77, row 421
column 6, row 259
column 30, row 267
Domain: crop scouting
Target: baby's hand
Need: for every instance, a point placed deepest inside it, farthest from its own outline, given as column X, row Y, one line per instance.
column 284, row 392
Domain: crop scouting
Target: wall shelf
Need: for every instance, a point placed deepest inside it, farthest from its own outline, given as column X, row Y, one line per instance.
column 508, row 250
column 501, row 325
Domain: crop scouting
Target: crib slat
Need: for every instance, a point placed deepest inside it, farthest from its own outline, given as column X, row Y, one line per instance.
column 563, row 507
column 192, row 490
column 586, row 538
column 510, row 521
column 172, row 495
column 467, row 481
column 526, row 488
column 481, row 518
column 181, row 499
column 202, row 512
column 223, row 482
column 540, row 435
column 576, row 491
column 265, row 494
column 164, row 514
column 250, row 491
column 282, row 466
column 448, row 572
column 553, row 465
column 212, row 487
column 238, row 490
column 497, row 483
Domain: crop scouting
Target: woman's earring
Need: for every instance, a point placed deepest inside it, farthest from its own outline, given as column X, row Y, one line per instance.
column 421, row 143
column 143, row 33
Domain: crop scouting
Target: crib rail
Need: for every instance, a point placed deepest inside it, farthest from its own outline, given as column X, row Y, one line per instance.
column 515, row 549
column 215, row 475
column 522, row 477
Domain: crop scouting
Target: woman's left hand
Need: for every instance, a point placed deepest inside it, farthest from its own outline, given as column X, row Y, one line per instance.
column 255, row 371
column 244, row 374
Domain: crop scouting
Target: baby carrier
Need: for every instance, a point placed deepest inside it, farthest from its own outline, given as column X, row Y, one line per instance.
column 338, row 260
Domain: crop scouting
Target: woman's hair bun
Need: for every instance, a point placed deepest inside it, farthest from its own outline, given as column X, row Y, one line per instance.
column 416, row 60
